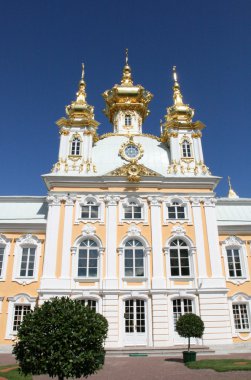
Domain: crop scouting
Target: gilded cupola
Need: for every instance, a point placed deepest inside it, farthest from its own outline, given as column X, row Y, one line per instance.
column 178, row 111
column 79, row 112
column 127, row 100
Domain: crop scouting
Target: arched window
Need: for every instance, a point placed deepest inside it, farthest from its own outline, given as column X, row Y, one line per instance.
column 133, row 210
column 90, row 210
column 134, row 258
column 128, row 120
column 92, row 304
column 75, row 147
column 186, row 149
column 176, row 210
column 179, row 258
column 88, row 254
column 181, row 306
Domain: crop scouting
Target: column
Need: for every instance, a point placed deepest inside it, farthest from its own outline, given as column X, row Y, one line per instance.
column 199, row 237
column 111, row 280
column 50, row 255
column 158, row 280
column 67, row 234
column 213, row 239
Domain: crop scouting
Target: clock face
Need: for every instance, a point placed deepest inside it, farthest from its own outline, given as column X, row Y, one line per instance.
column 131, row 151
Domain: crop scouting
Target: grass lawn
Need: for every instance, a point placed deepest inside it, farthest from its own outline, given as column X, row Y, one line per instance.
column 222, row 365
column 11, row 372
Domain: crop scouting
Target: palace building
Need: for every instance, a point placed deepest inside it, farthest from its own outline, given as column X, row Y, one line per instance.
column 132, row 227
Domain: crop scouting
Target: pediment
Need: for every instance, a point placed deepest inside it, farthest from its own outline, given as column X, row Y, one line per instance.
column 133, row 171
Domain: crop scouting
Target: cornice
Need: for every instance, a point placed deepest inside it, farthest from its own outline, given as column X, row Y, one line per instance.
column 23, row 227
column 234, row 229
column 233, row 201
column 207, row 182
column 25, row 198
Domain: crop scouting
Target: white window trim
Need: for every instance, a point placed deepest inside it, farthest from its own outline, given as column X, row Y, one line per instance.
column 86, row 295
column 233, row 242
column 134, row 233
column 83, row 202
column 179, row 233
column 87, row 234
column 75, row 136
column 195, row 304
column 6, row 244
column 26, row 241
column 140, row 203
column 182, row 202
column 22, row 299
column 240, row 298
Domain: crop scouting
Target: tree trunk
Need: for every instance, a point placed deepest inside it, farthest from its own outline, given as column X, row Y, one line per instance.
column 188, row 344
column 60, row 377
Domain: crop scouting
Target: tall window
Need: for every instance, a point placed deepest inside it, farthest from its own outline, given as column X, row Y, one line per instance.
column 88, row 259
column 241, row 318
column 186, row 149
column 133, row 211
column 75, row 147
column 234, row 262
column 128, row 120
column 90, row 210
column 27, row 262
column 179, row 258
column 92, row 304
column 19, row 312
column 176, row 211
column 181, row 306
column 1, row 260
column 134, row 259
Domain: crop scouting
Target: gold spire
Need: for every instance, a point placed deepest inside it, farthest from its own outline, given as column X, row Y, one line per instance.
column 231, row 192
column 177, row 97
column 79, row 111
column 81, row 94
column 127, row 74
column 179, row 112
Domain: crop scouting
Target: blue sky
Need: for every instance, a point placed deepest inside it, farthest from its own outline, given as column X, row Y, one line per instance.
column 44, row 42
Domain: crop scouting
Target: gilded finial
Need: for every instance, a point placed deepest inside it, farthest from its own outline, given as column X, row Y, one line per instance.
column 231, row 192
column 175, row 78
column 127, row 75
column 177, row 97
column 126, row 56
column 83, row 71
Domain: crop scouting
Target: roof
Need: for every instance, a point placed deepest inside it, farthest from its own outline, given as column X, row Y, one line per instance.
column 234, row 212
column 23, row 209
column 106, row 154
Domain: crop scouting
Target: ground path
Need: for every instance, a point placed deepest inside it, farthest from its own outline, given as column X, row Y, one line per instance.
column 154, row 368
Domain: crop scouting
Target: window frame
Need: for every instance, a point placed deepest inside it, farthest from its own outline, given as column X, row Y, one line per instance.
column 188, row 152
column 26, row 241
column 21, row 299
column 134, row 258
column 89, row 300
column 128, row 117
column 239, row 304
column 87, row 234
column 72, row 154
column 82, row 202
column 180, row 266
column 235, row 243
column 126, row 203
column 181, row 202
column 5, row 243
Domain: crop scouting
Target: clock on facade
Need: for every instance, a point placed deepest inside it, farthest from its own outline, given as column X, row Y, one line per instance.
column 131, row 151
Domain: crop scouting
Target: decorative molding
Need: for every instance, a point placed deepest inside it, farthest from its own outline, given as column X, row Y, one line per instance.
column 28, row 240
column 155, row 201
column 111, row 200
column 133, row 171
column 53, row 200
column 4, row 240
column 88, row 230
column 133, row 230
column 209, row 202
column 178, row 231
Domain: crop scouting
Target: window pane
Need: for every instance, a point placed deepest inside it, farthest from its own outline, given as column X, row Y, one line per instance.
column 94, row 212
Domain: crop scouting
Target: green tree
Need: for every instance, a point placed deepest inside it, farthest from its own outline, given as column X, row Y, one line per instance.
column 61, row 338
column 190, row 326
